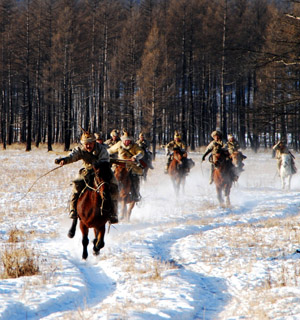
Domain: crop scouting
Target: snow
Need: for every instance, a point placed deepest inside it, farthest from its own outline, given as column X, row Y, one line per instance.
column 178, row 258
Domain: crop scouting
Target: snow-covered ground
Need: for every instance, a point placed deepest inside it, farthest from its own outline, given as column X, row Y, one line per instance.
column 178, row 258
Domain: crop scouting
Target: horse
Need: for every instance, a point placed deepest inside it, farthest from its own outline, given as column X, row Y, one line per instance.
column 223, row 176
column 122, row 174
column 146, row 163
column 237, row 160
column 176, row 169
column 285, row 171
column 93, row 208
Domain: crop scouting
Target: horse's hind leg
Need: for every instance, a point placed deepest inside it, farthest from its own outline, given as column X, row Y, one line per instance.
column 99, row 240
column 85, row 240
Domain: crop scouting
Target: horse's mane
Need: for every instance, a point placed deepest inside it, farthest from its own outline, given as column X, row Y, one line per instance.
column 103, row 170
column 179, row 150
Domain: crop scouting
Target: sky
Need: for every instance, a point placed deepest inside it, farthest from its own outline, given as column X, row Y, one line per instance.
column 179, row 257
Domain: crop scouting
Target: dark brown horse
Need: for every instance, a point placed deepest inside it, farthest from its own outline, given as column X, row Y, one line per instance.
column 176, row 169
column 223, row 176
column 122, row 174
column 93, row 208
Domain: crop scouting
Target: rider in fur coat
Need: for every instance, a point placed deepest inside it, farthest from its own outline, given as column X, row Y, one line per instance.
column 91, row 153
column 128, row 150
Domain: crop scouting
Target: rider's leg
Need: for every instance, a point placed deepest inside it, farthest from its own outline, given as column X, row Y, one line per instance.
column 211, row 179
column 78, row 186
column 294, row 169
column 167, row 164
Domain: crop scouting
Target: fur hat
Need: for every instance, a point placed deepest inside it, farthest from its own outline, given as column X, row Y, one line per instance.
column 115, row 133
column 177, row 135
column 141, row 135
column 216, row 133
column 126, row 136
column 229, row 136
column 87, row 137
column 98, row 136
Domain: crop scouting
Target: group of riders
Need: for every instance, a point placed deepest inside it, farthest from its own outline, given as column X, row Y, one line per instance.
column 94, row 150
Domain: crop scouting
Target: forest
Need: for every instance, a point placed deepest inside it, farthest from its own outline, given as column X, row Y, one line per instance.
column 154, row 66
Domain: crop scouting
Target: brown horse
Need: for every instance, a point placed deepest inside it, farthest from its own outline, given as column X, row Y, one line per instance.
column 122, row 174
column 223, row 176
column 176, row 169
column 93, row 209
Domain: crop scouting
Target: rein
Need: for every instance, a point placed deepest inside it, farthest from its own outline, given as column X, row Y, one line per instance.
column 99, row 185
column 92, row 188
column 36, row 182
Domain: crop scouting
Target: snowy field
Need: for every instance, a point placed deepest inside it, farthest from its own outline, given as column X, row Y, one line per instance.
column 178, row 258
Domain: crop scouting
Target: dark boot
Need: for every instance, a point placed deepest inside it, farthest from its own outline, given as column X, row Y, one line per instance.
column 73, row 204
column 114, row 213
column 73, row 214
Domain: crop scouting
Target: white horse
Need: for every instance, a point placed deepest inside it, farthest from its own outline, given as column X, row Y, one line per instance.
column 285, row 171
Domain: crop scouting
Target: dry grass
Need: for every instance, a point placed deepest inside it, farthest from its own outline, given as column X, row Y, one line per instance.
column 15, row 235
column 19, row 262
column 148, row 270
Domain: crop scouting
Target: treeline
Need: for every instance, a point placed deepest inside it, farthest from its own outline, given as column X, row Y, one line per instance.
column 152, row 65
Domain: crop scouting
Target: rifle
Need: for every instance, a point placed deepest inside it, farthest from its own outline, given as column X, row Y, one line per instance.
column 128, row 163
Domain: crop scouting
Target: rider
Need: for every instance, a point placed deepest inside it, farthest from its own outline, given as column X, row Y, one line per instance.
column 126, row 149
column 91, row 153
column 99, row 139
column 280, row 148
column 232, row 146
column 144, row 144
column 215, row 146
column 176, row 143
column 115, row 138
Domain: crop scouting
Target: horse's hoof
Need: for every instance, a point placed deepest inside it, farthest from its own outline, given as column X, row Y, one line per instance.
column 98, row 246
column 96, row 253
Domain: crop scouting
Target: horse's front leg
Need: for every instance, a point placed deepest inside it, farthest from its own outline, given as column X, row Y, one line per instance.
column 282, row 183
column 227, row 194
column 85, row 240
column 99, row 240
column 289, row 182
column 129, row 210
column 123, row 209
column 219, row 195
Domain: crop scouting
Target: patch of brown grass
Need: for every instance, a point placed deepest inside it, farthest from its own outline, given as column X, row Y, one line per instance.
column 15, row 235
column 19, row 262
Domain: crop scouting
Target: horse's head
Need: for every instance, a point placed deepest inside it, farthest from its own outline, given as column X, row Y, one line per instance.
column 219, row 157
column 236, row 158
column 178, row 154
